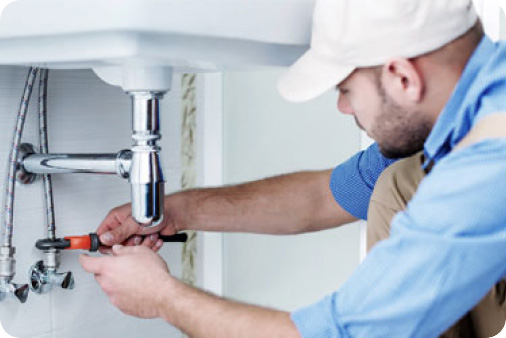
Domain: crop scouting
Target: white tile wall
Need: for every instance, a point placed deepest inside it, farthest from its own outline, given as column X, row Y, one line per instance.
column 85, row 115
column 503, row 24
column 266, row 136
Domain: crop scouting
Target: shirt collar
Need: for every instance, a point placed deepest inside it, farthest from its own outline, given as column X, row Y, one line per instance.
column 435, row 146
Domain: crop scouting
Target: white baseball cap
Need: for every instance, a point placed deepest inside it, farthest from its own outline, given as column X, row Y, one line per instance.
column 350, row 34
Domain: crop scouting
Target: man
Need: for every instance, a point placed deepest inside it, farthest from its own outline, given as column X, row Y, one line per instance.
column 416, row 75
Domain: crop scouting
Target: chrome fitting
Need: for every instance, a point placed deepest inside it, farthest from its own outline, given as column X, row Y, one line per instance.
column 7, row 262
column 52, row 259
column 43, row 278
column 7, row 272
column 124, row 163
column 23, row 176
column 20, row 291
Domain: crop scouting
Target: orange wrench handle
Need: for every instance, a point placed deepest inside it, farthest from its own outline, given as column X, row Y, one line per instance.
column 79, row 242
column 88, row 242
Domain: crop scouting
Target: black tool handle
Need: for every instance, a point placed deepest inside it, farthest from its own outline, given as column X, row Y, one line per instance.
column 182, row 237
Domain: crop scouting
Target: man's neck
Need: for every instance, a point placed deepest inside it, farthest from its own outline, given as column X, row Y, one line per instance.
column 440, row 81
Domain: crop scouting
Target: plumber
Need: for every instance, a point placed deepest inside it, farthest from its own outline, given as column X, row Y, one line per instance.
column 421, row 78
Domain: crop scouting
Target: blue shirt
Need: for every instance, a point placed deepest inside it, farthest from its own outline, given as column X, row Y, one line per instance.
column 448, row 248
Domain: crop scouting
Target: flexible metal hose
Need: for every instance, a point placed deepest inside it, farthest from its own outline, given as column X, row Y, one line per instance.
column 44, row 149
column 16, row 141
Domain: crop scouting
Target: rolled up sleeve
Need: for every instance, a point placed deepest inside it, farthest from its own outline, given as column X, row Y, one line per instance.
column 353, row 181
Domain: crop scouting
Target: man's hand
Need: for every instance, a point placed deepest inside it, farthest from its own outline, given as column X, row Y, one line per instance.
column 138, row 282
column 133, row 278
column 119, row 227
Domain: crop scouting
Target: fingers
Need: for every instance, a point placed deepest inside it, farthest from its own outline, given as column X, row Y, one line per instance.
column 120, row 249
column 151, row 229
column 133, row 241
column 115, row 218
column 168, row 231
column 92, row 264
column 150, row 241
column 124, row 250
column 105, row 250
column 119, row 234
column 158, row 245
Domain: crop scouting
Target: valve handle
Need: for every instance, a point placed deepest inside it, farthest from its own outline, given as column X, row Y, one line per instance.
column 21, row 292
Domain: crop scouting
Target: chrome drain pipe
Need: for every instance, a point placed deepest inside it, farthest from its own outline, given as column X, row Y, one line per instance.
column 141, row 165
column 146, row 174
column 32, row 163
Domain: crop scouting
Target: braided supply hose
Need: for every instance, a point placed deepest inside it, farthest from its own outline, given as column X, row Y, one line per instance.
column 44, row 149
column 13, row 157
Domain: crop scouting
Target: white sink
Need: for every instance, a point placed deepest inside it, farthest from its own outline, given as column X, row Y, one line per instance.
column 197, row 35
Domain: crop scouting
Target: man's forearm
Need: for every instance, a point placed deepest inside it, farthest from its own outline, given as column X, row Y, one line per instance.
column 286, row 204
column 200, row 314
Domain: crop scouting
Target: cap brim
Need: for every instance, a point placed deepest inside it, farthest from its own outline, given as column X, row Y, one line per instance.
column 310, row 76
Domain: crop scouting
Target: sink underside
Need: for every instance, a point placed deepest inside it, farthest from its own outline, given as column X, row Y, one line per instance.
column 196, row 35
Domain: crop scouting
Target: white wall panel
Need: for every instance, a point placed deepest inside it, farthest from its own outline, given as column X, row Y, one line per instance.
column 266, row 136
column 503, row 22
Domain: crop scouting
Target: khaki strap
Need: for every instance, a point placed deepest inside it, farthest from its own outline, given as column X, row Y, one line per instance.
column 490, row 127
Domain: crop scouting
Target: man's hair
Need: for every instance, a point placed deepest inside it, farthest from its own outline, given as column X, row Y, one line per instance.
column 458, row 51
column 455, row 53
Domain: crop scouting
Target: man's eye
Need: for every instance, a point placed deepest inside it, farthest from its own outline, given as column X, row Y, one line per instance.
column 341, row 90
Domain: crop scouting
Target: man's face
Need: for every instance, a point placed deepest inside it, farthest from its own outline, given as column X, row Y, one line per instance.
column 399, row 131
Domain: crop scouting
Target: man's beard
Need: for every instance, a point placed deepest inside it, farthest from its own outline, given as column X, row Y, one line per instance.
column 399, row 132
column 404, row 142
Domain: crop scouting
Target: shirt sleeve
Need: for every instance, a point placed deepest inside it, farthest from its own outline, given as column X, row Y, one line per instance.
column 446, row 250
column 353, row 181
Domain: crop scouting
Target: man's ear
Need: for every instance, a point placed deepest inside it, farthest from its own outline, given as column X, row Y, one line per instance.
column 403, row 81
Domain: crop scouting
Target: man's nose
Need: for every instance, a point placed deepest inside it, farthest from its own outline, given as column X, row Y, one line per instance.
column 343, row 105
